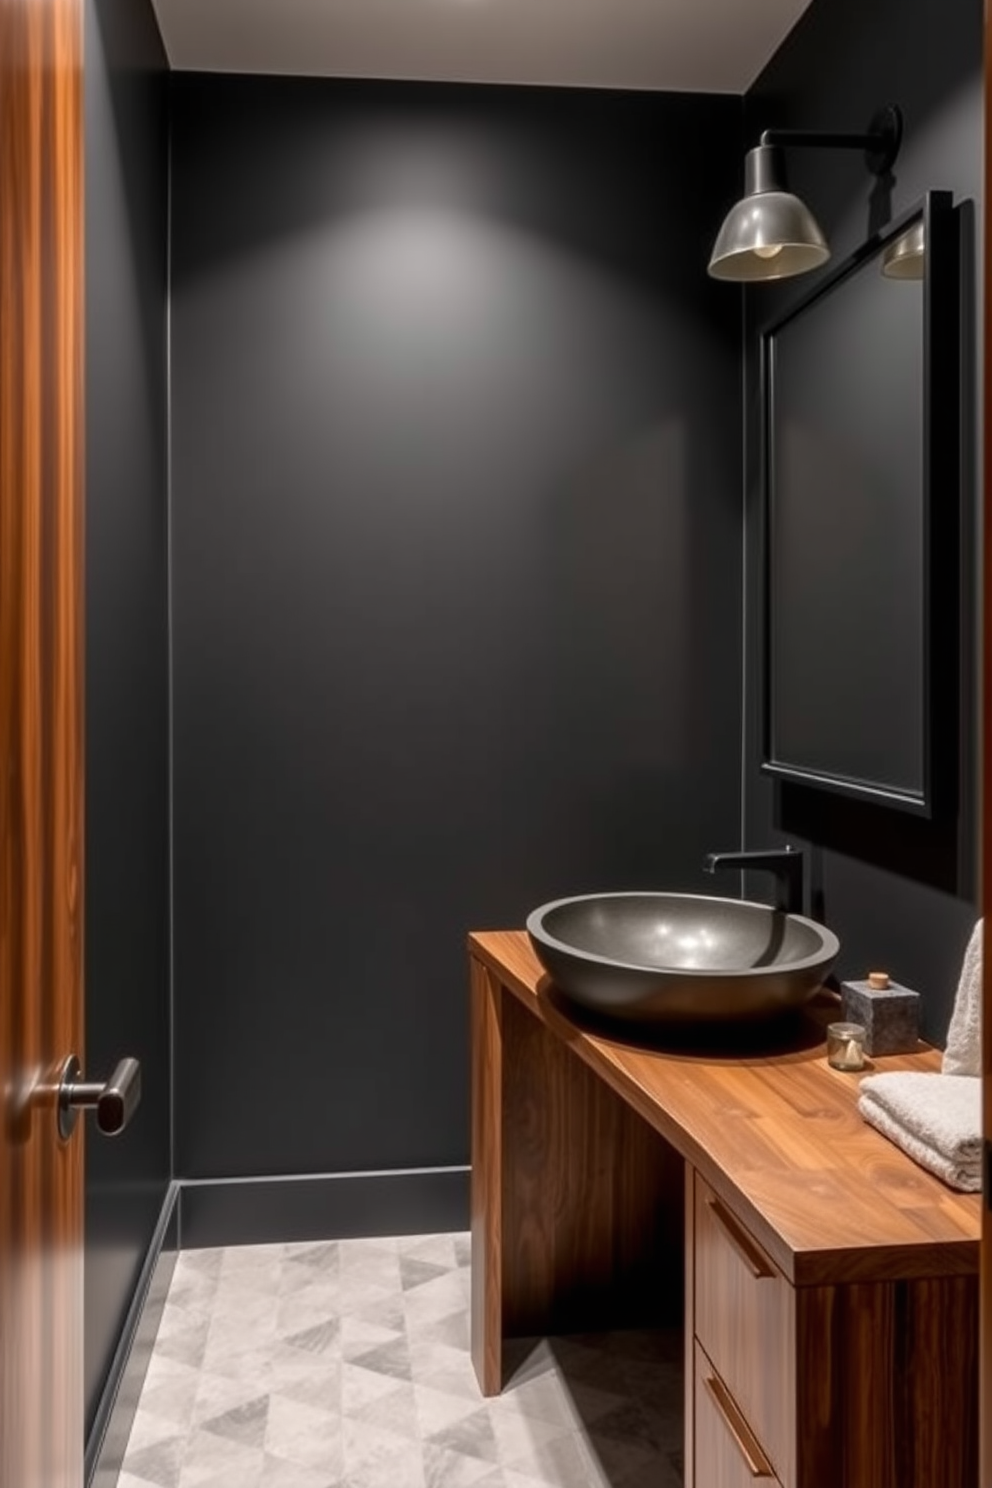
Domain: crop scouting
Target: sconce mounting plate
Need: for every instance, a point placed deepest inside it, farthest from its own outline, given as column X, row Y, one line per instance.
column 887, row 123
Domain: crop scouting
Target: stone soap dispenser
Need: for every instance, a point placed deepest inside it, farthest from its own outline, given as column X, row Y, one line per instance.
column 889, row 1013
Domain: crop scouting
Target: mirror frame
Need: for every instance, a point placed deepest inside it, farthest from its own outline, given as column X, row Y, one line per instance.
column 940, row 459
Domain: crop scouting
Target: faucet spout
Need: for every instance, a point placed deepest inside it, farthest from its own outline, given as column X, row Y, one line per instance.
column 787, row 864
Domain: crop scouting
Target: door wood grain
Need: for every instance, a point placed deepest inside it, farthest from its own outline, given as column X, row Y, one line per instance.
column 985, row 1264
column 41, row 736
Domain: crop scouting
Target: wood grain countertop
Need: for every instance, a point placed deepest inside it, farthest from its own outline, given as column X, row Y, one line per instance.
column 777, row 1135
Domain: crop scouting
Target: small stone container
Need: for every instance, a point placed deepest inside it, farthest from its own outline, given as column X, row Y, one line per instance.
column 889, row 1013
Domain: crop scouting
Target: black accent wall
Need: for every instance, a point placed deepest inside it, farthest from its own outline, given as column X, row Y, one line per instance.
column 899, row 892
column 456, row 573
column 127, row 727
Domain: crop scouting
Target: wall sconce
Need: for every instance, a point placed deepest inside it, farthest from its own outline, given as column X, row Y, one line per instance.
column 906, row 257
column 771, row 234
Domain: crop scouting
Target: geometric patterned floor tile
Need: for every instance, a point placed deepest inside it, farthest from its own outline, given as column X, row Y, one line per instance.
column 345, row 1364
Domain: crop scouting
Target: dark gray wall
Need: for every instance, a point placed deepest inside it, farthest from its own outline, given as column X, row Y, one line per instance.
column 127, row 885
column 457, row 557
column 899, row 892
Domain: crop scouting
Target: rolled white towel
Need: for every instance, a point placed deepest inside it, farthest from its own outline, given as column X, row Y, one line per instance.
column 963, row 1055
column 935, row 1119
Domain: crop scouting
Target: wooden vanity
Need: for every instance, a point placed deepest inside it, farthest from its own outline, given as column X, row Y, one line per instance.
column 828, row 1285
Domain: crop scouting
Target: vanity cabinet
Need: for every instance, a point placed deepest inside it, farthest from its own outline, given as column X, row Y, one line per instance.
column 826, row 1285
column 858, row 1383
column 742, row 1324
column 727, row 1454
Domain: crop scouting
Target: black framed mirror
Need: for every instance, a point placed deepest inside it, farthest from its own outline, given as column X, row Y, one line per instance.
column 861, row 470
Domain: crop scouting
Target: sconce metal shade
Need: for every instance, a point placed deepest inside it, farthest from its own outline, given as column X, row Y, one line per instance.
column 769, row 234
column 906, row 257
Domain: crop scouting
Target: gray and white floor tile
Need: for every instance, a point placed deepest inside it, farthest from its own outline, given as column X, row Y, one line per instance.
column 345, row 1364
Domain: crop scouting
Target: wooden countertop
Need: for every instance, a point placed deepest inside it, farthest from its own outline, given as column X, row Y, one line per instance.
column 779, row 1137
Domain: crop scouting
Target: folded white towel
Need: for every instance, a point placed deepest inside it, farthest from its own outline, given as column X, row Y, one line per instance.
column 963, row 1055
column 936, row 1119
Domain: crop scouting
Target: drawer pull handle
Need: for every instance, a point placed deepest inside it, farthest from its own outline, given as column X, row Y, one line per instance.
column 757, row 1463
column 754, row 1260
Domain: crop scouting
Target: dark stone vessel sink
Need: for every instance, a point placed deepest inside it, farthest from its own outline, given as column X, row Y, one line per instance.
column 680, row 958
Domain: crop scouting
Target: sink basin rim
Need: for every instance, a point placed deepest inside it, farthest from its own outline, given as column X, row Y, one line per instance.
column 828, row 951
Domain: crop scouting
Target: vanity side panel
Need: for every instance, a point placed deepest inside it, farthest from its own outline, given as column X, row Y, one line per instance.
column 937, row 1380
column 888, row 1385
column 592, row 1197
column 820, row 1363
column 874, row 1449
column 486, row 1185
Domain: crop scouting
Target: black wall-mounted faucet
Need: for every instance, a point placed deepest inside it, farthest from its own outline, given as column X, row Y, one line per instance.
column 786, row 863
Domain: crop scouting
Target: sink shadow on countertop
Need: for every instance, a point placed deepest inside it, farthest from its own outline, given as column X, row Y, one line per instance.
column 796, row 1031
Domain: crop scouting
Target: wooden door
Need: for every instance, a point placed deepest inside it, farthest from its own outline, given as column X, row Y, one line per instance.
column 985, row 1336
column 41, row 737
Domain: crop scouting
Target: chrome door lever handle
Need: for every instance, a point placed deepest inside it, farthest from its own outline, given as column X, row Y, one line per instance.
column 114, row 1102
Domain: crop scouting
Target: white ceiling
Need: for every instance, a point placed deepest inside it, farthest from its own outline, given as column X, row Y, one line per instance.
column 683, row 45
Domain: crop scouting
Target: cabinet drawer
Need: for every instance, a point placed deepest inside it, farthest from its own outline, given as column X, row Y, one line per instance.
column 744, row 1317
column 726, row 1454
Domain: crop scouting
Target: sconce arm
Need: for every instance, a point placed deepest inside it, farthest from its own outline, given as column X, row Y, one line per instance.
column 820, row 138
column 880, row 142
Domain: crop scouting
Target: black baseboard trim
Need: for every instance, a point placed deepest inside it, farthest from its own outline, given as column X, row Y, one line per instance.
column 322, row 1206
column 114, row 1417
